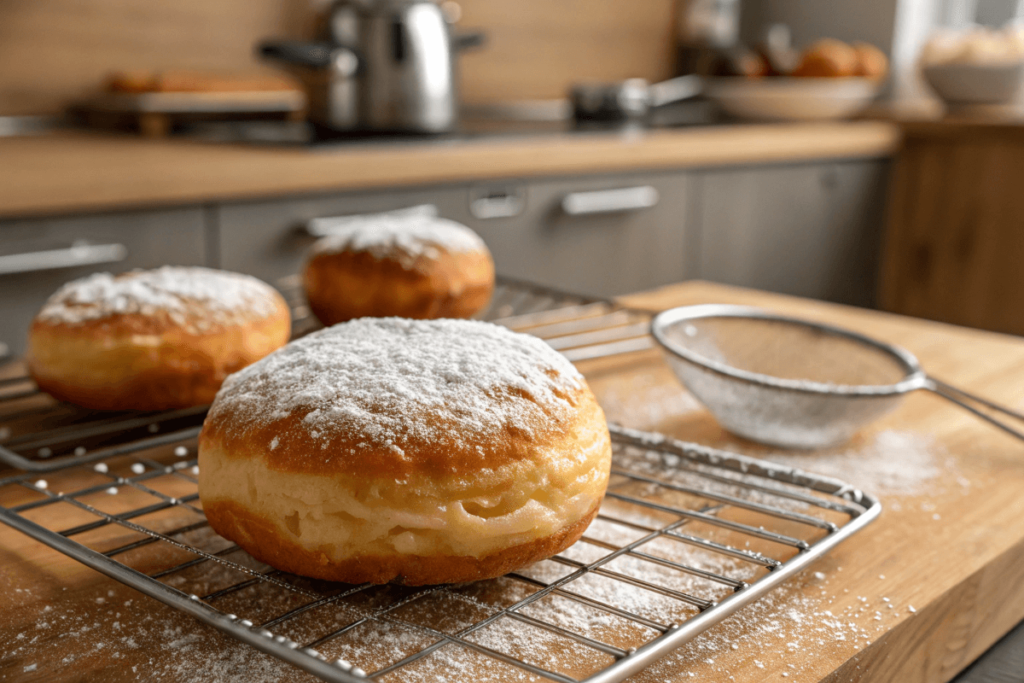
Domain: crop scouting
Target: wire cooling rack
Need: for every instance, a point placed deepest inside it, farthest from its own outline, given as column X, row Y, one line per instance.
column 580, row 327
column 38, row 434
column 685, row 536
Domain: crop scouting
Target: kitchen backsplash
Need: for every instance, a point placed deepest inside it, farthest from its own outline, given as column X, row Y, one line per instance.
column 53, row 51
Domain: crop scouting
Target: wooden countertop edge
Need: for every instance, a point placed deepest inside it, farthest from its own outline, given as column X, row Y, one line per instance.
column 973, row 615
column 958, row 128
column 88, row 172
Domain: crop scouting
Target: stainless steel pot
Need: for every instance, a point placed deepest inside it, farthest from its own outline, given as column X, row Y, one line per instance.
column 384, row 65
column 631, row 99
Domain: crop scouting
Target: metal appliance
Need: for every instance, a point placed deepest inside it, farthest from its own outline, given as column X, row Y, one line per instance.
column 633, row 98
column 704, row 28
column 381, row 65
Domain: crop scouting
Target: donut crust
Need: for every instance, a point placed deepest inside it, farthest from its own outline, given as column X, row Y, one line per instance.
column 354, row 284
column 395, row 450
column 147, row 362
column 260, row 538
column 352, row 504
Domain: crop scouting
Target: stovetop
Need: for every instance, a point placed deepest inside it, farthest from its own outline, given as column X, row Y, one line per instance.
column 304, row 134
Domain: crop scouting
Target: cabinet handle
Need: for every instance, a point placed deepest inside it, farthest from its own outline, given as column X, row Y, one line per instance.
column 610, row 201
column 329, row 225
column 55, row 259
column 505, row 205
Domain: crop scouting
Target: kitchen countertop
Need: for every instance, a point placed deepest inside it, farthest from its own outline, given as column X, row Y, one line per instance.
column 70, row 172
column 916, row 596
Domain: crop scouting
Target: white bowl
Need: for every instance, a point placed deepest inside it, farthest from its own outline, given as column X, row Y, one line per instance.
column 960, row 84
column 792, row 99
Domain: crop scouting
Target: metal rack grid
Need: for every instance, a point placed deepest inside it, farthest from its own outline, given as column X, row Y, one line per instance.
column 39, row 435
column 686, row 536
column 581, row 327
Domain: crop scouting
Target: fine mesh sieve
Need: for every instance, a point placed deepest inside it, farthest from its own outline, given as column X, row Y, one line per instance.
column 794, row 383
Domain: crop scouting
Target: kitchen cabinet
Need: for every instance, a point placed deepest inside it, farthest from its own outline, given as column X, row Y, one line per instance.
column 637, row 242
column 810, row 230
column 954, row 243
column 37, row 256
column 268, row 239
column 604, row 236
column 805, row 229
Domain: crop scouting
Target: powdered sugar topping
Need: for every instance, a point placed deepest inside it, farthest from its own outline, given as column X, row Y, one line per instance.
column 182, row 293
column 406, row 238
column 390, row 382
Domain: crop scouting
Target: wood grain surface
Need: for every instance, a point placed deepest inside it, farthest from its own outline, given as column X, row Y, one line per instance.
column 951, row 548
column 60, row 50
column 953, row 246
column 537, row 49
column 73, row 172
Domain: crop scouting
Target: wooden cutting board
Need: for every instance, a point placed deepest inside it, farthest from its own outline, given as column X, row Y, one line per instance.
column 915, row 597
column 155, row 112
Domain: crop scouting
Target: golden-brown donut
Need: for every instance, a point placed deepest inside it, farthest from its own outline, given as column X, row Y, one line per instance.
column 153, row 340
column 408, row 266
column 392, row 450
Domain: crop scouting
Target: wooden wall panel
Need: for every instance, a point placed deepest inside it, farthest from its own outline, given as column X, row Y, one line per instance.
column 52, row 51
column 538, row 47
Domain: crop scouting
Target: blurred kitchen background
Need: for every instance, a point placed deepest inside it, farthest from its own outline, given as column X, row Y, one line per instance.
column 878, row 168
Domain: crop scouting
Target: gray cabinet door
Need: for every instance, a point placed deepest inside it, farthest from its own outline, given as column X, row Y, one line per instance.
column 267, row 238
column 809, row 230
column 601, row 251
column 39, row 255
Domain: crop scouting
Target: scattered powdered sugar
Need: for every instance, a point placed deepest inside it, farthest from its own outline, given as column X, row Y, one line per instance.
column 780, row 630
column 185, row 294
column 391, row 383
column 890, row 462
column 101, row 630
column 402, row 237
column 644, row 402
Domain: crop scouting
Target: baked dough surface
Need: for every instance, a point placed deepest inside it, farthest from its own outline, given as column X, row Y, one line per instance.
column 418, row 267
column 153, row 340
column 396, row 450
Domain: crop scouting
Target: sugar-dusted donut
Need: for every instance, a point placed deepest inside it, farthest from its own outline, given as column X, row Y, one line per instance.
column 153, row 340
column 392, row 450
column 409, row 266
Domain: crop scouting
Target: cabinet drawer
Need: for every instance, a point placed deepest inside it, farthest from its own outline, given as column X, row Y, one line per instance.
column 809, row 230
column 603, row 236
column 267, row 239
column 37, row 256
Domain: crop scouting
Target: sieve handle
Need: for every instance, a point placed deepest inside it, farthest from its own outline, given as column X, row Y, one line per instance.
column 966, row 400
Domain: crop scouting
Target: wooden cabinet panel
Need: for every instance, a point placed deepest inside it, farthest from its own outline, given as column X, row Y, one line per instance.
column 954, row 245
column 808, row 230
column 146, row 240
column 604, row 253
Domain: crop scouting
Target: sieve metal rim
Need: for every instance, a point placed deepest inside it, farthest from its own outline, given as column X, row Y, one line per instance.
column 913, row 380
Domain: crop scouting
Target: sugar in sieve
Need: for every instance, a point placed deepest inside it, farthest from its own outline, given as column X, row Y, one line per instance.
column 795, row 383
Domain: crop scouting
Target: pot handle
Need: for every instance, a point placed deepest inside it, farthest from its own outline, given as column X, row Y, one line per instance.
column 313, row 55
column 470, row 39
